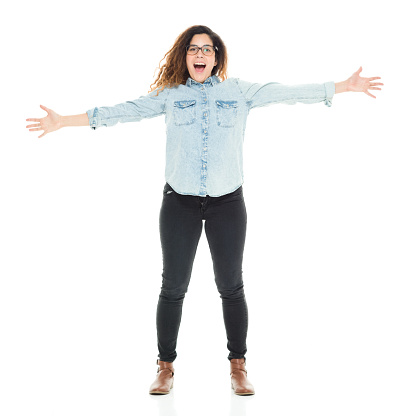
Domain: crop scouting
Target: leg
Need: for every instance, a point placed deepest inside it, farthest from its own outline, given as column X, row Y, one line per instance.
column 225, row 226
column 180, row 231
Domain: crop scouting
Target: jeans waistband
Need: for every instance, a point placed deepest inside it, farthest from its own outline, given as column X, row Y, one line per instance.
column 168, row 187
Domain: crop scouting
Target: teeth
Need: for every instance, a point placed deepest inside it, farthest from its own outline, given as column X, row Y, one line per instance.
column 200, row 63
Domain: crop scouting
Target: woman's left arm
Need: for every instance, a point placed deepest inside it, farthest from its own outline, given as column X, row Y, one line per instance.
column 358, row 84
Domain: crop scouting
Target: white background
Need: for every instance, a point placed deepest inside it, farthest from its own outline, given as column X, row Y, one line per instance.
column 328, row 263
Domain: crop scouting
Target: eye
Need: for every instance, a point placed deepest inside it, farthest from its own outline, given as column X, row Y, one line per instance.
column 207, row 49
column 192, row 49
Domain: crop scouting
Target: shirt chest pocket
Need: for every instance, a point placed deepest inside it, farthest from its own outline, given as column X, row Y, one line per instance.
column 184, row 112
column 226, row 113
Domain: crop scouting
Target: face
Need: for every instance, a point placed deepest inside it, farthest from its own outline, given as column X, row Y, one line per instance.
column 200, row 73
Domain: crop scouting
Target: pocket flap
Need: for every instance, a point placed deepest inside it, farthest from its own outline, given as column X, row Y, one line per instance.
column 184, row 103
column 226, row 104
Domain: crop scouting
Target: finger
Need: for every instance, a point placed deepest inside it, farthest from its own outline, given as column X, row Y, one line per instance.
column 39, row 128
column 32, row 125
column 374, row 88
column 374, row 78
column 366, row 92
column 359, row 70
column 42, row 135
column 32, row 119
column 376, row 83
column 44, row 108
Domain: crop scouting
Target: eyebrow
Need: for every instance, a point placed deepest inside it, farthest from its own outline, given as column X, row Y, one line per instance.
column 192, row 44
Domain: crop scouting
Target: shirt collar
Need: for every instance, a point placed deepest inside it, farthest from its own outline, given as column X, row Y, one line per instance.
column 210, row 81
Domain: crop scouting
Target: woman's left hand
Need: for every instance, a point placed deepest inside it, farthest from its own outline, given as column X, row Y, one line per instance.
column 360, row 84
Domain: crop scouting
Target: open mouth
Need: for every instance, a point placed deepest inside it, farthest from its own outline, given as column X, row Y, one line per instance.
column 199, row 67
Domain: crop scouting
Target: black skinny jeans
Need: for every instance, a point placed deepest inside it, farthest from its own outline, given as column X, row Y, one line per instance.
column 181, row 223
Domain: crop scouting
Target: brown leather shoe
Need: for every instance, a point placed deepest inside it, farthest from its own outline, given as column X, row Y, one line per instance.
column 165, row 378
column 239, row 382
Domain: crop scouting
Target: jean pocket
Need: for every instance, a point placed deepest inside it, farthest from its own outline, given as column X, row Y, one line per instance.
column 184, row 112
column 167, row 189
column 238, row 191
column 226, row 113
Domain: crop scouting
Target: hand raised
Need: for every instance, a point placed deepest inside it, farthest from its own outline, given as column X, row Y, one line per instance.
column 360, row 84
column 49, row 123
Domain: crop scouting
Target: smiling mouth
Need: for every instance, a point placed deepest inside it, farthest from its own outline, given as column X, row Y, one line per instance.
column 199, row 67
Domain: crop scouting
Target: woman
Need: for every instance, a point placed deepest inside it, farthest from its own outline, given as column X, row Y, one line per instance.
column 205, row 114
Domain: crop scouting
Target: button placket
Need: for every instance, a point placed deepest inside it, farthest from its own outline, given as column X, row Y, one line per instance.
column 204, row 130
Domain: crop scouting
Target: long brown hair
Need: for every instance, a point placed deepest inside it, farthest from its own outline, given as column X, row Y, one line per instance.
column 174, row 72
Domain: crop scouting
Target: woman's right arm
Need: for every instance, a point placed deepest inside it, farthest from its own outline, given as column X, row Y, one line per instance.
column 148, row 106
column 78, row 120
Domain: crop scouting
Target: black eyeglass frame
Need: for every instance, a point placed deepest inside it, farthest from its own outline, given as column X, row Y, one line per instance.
column 215, row 48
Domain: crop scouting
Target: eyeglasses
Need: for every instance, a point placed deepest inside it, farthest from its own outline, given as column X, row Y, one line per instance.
column 207, row 50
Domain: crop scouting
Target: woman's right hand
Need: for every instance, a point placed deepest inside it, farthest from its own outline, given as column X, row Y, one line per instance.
column 52, row 122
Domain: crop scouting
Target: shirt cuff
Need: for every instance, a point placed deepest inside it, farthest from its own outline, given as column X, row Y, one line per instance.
column 94, row 119
column 330, row 91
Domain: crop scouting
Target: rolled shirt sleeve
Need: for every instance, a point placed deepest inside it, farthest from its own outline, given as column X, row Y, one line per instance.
column 148, row 106
column 260, row 95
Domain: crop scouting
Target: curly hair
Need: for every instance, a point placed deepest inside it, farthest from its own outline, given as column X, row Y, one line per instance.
column 174, row 71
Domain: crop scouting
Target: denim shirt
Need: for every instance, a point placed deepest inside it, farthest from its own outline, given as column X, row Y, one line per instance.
column 205, row 124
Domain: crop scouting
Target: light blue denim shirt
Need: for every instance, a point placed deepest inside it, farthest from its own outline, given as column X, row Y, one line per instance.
column 205, row 126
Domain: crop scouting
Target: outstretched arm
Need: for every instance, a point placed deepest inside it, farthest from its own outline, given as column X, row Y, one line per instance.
column 259, row 95
column 147, row 106
column 358, row 84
